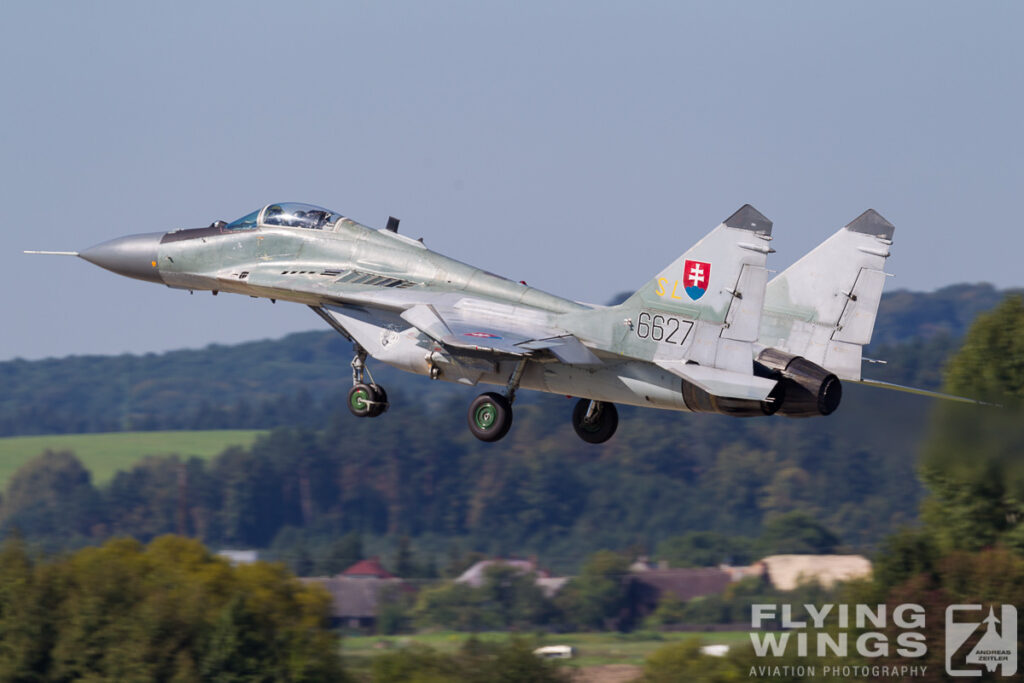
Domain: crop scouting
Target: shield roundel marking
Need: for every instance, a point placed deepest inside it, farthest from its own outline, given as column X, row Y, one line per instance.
column 696, row 275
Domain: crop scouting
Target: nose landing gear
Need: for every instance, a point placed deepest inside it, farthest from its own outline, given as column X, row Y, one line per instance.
column 365, row 400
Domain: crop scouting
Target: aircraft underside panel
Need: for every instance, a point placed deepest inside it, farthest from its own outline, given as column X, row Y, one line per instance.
column 392, row 340
column 629, row 383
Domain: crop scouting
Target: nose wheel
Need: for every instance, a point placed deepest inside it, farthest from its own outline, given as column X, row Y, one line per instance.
column 595, row 421
column 365, row 400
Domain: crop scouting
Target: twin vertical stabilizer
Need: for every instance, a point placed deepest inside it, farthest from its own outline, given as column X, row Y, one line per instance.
column 823, row 307
column 709, row 314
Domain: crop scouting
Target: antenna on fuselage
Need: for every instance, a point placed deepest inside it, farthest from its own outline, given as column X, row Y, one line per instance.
column 392, row 224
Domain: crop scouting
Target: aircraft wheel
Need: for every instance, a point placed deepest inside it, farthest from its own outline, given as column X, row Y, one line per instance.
column 490, row 416
column 380, row 398
column 602, row 424
column 360, row 398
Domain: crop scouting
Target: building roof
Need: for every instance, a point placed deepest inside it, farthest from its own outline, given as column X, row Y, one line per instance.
column 786, row 572
column 353, row 597
column 370, row 567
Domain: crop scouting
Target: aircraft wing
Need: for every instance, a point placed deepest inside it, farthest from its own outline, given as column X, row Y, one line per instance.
column 469, row 330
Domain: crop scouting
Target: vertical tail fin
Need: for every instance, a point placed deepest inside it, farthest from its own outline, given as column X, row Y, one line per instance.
column 705, row 307
column 720, row 279
column 823, row 307
column 716, row 288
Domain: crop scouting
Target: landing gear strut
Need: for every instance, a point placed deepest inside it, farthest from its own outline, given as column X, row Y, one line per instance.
column 595, row 421
column 490, row 414
column 365, row 400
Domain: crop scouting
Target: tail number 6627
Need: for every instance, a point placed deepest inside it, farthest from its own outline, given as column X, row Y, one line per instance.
column 659, row 327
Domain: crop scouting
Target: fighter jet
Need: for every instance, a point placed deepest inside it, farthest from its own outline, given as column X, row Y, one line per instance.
column 708, row 333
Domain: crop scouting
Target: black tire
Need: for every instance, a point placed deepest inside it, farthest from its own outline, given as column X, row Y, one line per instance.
column 360, row 399
column 380, row 398
column 489, row 416
column 602, row 427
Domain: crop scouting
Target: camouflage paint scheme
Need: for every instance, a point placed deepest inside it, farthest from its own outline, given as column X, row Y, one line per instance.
column 708, row 333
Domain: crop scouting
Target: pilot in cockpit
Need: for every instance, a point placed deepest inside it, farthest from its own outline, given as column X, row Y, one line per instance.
column 272, row 211
column 298, row 216
column 317, row 218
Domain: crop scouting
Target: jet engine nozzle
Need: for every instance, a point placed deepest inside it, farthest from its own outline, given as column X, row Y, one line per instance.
column 131, row 256
column 810, row 390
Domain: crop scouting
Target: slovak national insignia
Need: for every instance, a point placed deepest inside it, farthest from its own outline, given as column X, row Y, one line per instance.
column 696, row 275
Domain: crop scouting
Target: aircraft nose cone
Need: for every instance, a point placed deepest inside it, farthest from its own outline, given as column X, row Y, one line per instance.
column 132, row 256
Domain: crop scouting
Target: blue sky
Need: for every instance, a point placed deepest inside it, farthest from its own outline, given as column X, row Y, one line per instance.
column 580, row 146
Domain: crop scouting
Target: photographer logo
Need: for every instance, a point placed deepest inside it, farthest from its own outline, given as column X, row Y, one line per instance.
column 882, row 641
column 997, row 647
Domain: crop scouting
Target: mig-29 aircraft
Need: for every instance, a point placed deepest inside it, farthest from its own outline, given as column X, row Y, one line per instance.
column 709, row 333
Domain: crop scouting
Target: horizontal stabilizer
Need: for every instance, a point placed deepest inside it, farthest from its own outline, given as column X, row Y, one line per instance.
column 721, row 383
column 924, row 392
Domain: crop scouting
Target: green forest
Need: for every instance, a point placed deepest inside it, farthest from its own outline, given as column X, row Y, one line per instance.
column 300, row 380
column 416, row 472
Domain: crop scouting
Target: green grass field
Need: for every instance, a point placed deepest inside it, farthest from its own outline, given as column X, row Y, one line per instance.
column 592, row 649
column 106, row 454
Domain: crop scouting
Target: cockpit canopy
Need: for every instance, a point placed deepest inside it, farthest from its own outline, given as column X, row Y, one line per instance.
column 288, row 214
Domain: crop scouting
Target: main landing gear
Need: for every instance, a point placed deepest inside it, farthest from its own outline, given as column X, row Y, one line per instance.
column 490, row 414
column 595, row 421
column 365, row 400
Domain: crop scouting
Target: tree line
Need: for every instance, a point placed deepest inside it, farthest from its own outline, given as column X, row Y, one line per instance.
column 541, row 492
column 299, row 380
column 416, row 473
